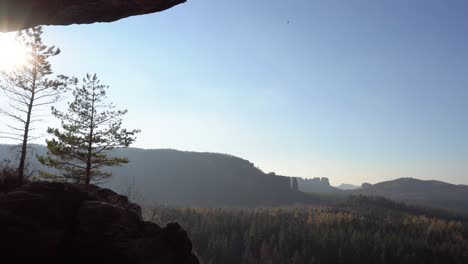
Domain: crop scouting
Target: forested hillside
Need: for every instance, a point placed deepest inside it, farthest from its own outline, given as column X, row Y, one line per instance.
column 192, row 178
column 418, row 192
column 203, row 179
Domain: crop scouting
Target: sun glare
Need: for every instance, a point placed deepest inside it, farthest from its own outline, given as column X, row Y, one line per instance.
column 12, row 53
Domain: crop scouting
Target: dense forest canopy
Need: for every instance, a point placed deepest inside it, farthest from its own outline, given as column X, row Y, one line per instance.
column 362, row 231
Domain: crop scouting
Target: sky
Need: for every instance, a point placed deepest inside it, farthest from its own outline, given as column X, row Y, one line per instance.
column 357, row 91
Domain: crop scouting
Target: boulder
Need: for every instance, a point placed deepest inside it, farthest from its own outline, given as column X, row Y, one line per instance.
column 62, row 223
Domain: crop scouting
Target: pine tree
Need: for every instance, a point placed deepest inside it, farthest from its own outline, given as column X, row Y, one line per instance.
column 91, row 129
column 29, row 88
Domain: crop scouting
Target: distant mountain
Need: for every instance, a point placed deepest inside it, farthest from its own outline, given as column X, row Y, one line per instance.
column 192, row 178
column 420, row 192
column 345, row 186
column 210, row 179
column 201, row 179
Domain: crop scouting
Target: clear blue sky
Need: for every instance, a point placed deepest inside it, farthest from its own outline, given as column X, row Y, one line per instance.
column 358, row 91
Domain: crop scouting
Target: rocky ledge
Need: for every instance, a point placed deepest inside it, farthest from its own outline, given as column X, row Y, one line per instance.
column 62, row 223
column 20, row 14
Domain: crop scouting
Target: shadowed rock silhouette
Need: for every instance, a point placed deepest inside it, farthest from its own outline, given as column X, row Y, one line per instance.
column 61, row 223
column 21, row 14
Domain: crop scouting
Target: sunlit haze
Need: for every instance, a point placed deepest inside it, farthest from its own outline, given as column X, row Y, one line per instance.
column 12, row 54
column 357, row 91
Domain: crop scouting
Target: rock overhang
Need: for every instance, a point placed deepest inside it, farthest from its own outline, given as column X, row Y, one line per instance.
column 21, row 14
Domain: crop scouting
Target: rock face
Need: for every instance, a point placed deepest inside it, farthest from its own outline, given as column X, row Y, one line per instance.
column 20, row 14
column 325, row 181
column 61, row 223
column 317, row 185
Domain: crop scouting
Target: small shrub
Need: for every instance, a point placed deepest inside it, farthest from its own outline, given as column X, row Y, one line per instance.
column 8, row 176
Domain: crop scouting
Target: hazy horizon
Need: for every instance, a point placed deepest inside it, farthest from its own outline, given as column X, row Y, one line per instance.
column 332, row 181
column 357, row 91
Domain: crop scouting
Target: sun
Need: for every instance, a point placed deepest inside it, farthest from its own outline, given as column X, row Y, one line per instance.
column 12, row 53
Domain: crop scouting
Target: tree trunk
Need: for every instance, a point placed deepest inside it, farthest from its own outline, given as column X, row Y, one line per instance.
column 90, row 145
column 24, row 146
